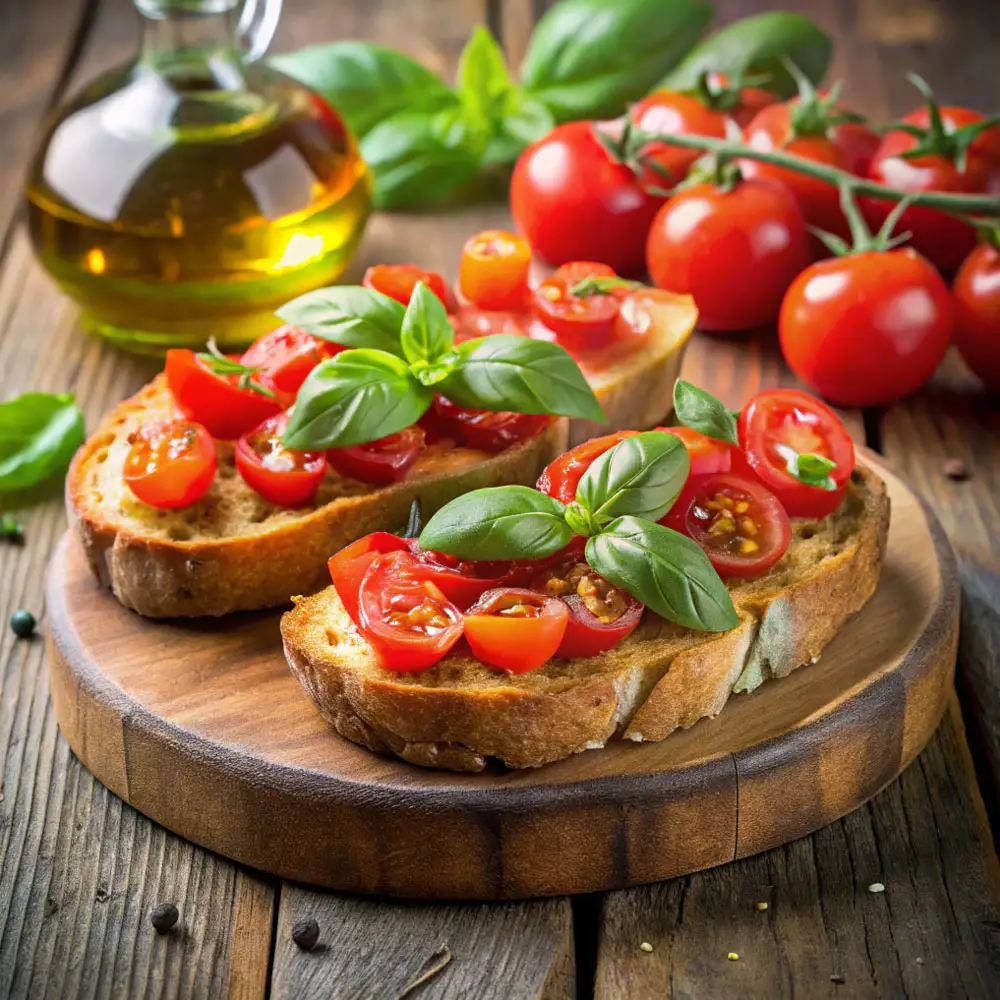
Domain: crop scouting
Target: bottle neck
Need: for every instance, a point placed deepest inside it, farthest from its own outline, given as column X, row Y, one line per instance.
column 183, row 36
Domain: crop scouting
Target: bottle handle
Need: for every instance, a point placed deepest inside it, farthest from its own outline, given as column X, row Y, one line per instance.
column 256, row 26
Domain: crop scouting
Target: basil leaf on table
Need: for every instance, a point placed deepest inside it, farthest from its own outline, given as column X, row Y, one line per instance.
column 702, row 412
column 349, row 315
column 640, row 475
column 665, row 570
column 501, row 522
column 39, row 434
column 484, row 83
column 427, row 333
column 506, row 372
column 588, row 58
column 757, row 46
column 356, row 397
column 366, row 83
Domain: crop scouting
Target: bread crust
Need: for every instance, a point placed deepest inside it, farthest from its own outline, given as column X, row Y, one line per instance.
column 460, row 713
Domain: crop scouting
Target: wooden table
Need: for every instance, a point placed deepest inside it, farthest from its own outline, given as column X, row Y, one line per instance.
column 80, row 871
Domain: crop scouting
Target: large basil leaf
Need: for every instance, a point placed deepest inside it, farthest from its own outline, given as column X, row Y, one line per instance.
column 348, row 315
column 366, row 83
column 38, row 435
column 356, row 397
column 640, row 475
column 588, row 58
column 484, row 84
column 665, row 570
column 702, row 412
column 502, row 522
column 757, row 46
column 505, row 372
column 427, row 332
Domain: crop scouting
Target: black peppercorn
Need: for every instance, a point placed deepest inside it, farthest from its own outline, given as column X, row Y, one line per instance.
column 164, row 917
column 305, row 934
column 22, row 624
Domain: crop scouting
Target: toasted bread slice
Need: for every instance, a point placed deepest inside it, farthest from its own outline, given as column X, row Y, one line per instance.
column 663, row 677
column 233, row 551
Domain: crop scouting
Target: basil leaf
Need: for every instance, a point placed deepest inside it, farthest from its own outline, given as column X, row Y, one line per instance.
column 640, row 475
column 588, row 58
column 526, row 121
column 702, row 412
column 39, row 434
column 502, row 522
column 356, row 397
column 366, row 83
column 811, row 469
column 757, row 46
column 484, row 84
column 417, row 158
column 665, row 570
column 348, row 315
column 506, row 372
column 427, row 334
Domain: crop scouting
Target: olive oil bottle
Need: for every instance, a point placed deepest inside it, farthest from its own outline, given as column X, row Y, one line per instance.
column 191, row 193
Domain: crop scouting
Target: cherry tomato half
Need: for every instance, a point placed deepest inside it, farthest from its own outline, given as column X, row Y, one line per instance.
column 778, row 423
column 398, row 281
column 463, row 581
column 380, row 462
column 977, row 313
column 581, row 321
column 281, row 476
column 562, row 476
column 286, row 356
column 739, row 523
column 515, row 630
column 171, row 463
column 493, row 271
column 482, row 429
column 348, row 566
column 868, row 328
column 707, row 454
column 215, row 401
column 403, row 614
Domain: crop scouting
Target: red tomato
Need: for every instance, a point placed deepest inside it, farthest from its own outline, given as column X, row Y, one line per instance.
column 561, row 477
column 739, row 523
column 515, row 630
column 409, row 622
column 493, row 271
column 461, row 580
column 749, row 100
column 707, row 454
column 944, row 240
column 482, row 429
column 671, row 113
column 398, row 281
column 977, row 313
column 736, row 252
column 581, row 321
column 574, row 202
column 286, row 356
column 777, row 423
column 215, row 401
column 380, row 462
column 281, row 476
column 348, row 566
column 868, row 328
column 171, row 463
column 848, row 146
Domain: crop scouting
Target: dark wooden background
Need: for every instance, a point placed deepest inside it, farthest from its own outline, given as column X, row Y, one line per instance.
column 80, row 871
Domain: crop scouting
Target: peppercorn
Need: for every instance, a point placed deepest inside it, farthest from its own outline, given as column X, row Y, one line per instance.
column 164, row 917
column 305, row 934
column 10, row 529
column 22, row 624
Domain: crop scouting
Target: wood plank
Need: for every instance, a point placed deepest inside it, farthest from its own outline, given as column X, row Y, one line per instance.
column 369, row 948
column 930, row 934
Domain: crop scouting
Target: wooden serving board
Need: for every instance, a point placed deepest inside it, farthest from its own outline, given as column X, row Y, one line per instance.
column 200, row 726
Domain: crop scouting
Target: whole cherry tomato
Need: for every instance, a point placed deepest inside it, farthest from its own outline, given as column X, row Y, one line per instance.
column 740, row 524
column 482, row 429
column 580, row 321
column 348, row 566
column 976, row 294
column 170, row 463
column 283, row 477
column 734, row 251
column 776, row 427
column 562, row 476
column 286, row 356
column 380, row 462
column 740, row 103
column 398, row 281
column 216, row 401
column 867, row 328
column 514, row 629
column 572, row 201
column 493, row 271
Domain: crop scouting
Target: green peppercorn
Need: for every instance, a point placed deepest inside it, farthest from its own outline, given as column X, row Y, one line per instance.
column 22, row 623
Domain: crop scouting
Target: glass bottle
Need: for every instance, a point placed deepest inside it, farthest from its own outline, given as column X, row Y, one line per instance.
column 189, row 194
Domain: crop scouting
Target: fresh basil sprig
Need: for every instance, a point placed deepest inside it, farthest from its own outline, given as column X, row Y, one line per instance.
column 38, row 435
column 636, row 480
column 702, row 412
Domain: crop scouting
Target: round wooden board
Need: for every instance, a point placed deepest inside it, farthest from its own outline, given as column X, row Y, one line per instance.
column 200, row 726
